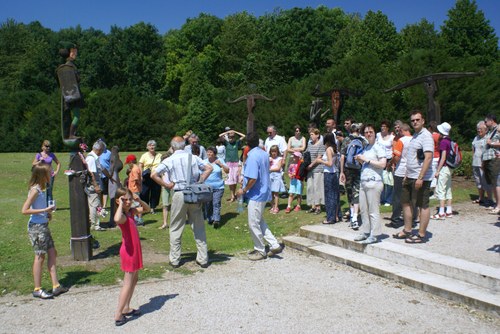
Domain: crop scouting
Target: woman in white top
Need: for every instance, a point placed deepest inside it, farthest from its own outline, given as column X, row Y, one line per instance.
column 374, row 162
column 385, row 138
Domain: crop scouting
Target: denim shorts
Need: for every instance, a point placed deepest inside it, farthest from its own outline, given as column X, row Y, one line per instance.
column 40, row 237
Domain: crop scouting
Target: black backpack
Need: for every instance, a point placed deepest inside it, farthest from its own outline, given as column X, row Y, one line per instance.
column 306, row 161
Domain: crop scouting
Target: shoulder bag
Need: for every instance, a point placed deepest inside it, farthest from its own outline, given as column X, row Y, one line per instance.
column 196, row 192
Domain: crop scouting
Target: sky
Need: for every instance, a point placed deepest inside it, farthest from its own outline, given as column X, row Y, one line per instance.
column 172, row 14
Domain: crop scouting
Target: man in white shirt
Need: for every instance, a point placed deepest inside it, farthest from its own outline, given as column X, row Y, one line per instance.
column 93, row 187
column 275, row 139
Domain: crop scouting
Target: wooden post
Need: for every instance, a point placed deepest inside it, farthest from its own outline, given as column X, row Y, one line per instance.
column 81, row 240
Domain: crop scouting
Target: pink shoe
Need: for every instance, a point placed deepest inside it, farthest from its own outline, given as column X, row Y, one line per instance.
column 449, row 215
column 288, row 209
column 297, row 208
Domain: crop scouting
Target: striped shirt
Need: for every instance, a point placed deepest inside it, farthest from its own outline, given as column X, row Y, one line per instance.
column 316, row 151
column 176, row 168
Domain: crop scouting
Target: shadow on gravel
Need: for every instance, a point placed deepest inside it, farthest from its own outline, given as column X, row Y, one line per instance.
column 494, row 248
column 213, row 257
column 156, row 303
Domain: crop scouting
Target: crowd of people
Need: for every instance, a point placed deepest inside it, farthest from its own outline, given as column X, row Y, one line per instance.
column 403, row 167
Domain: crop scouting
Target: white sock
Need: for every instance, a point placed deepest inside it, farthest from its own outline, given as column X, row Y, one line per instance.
column 449, row 210
column 441, row 210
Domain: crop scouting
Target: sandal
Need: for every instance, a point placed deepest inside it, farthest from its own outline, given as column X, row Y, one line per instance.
column 311, row 210
column 133, row 313
column 404, row 235
column 476, row 201
column 439, row 216
column 122, row 321
column 415, row 239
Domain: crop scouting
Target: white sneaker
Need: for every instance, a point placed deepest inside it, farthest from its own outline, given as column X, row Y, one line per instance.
column 370, row 240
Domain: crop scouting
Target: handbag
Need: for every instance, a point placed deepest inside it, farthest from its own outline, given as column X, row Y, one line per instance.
column 196, row 192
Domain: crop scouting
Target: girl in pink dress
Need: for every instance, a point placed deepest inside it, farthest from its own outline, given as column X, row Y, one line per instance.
column 128, row 205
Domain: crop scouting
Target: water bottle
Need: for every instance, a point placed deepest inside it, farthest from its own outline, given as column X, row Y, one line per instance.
column 240, row 208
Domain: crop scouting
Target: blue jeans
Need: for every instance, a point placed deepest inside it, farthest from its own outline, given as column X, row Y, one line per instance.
column 212, row 209
column 48, row 191
column 332, row 196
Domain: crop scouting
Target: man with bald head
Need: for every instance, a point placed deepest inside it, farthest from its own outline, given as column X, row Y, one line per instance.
column 175, row 169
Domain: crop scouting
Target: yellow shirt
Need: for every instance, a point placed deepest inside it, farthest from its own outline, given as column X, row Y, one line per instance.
column 149, row 162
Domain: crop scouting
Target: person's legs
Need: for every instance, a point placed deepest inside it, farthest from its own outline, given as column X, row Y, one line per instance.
column 37, row 269
column 177, row 223
column 396, row 202
column 125, row 295
column 255, row 212
column 373, row 191
column 330, row 200
column 216, row 204
column 363, row 204
column 94, row 203
column 51, row 266
column 195, row 217
column 155, row 194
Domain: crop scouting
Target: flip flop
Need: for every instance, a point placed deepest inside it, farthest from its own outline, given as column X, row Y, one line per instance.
column 133, row 313
column 402, row 235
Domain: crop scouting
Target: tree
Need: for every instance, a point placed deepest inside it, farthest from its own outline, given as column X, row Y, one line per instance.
column 468, row 33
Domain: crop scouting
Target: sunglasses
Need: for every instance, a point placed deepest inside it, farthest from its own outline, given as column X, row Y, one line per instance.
column 48, row 146
column 416, row 120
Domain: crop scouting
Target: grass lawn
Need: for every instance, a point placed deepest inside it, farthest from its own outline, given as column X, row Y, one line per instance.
column 16, row 256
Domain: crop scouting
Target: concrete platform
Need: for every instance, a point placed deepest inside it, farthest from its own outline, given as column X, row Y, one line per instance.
column 460, row 280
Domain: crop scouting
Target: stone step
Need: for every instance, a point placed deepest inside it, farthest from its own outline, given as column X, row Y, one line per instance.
column 443, row 286
column 399, row 253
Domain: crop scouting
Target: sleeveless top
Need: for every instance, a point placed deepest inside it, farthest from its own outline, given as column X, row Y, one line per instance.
column 39, row 203
column 295, row 143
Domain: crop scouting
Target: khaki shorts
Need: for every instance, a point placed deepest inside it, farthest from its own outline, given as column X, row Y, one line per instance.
column 40, row 237
column 414, row 197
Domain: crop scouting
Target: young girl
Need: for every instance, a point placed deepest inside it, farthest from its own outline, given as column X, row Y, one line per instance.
column 130, row 251
column 295, row 183
column 39, row 233
column 276, row 169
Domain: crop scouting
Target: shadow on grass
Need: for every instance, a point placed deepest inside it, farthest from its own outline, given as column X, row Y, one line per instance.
column 113, row 250
column 228, row 216
column 78, row 277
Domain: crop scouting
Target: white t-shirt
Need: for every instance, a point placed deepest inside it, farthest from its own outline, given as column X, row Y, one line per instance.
column 277, row 140
column 422, row 142
column 373, row 152
column 401, row 166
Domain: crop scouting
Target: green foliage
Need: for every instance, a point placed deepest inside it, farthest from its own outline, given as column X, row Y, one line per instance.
column 140, row 84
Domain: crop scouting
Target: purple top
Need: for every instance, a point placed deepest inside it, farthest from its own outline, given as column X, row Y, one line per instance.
column 444, row 145
column 47, row 160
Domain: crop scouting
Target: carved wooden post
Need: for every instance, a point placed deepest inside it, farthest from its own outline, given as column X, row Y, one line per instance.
column 81, row 240
column 251, row 107
column 430, row 84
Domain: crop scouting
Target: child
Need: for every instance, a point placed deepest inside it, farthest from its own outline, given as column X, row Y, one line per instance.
column 39, row 233
column 134, row 180
column 276, row 169
column 130, row 251
column 295, row 182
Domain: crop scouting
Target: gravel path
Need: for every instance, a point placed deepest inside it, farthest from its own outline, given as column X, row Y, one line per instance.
column 293, row 293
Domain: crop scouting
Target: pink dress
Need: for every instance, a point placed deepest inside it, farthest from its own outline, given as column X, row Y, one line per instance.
column 130, row 251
